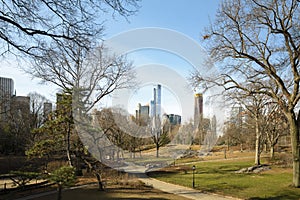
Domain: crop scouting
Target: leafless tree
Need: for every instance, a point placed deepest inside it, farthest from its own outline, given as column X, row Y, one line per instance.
column 160, row 132
column 257, row 43
column 37, row 108
column 18, row 121
column 31, row 26
column 234, row 134
column 276, row 126
column 87, row 75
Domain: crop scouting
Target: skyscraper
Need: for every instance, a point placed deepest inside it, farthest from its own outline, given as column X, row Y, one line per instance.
column 198, row 108
column 155, row 104
column 152, row 108
column 6, row 87
column 158, row 100
column 6, row 93
column 47, row 110
column 142, row 114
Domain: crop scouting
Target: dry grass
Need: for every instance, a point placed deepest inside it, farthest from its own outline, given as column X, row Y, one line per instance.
column 128, row 191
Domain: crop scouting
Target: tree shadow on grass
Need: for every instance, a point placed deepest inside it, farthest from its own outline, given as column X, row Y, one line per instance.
column 109, row 194
column 289, row 196
column 137, row 194
column 222, row 186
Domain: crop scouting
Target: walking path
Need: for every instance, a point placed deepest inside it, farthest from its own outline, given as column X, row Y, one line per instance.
column 139, row 172
column 181, row 190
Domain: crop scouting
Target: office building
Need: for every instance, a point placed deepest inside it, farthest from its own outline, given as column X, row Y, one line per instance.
column 6, row 93
column 198, row 109
column 158, row 100
column 142, row 114
column 237, row 115
column 174, row 119
column 47, row 110
column 155, row 104
column 20, row 106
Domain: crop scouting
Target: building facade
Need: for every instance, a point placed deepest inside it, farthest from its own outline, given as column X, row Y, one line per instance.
column 174, row 119
column 155, row 104
column 6, row 93
column 142, row 114
column 198, row 108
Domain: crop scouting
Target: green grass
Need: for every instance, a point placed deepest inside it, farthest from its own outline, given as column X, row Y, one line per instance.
column 219, row 177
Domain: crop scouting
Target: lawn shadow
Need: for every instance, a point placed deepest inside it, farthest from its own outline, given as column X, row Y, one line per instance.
column 218, row 188
column 285, row 195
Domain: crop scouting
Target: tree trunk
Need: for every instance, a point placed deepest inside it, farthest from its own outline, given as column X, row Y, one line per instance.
column 100, row 185
column 68, row 144
column 294, row 131
column 257, row 143
column 157, row 150
column 272, row 151
column 59, row 191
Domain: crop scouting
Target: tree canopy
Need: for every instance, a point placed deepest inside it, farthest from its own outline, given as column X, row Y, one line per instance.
column 32, row 26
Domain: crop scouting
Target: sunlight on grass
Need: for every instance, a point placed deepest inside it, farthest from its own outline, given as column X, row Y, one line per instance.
column 220, row 177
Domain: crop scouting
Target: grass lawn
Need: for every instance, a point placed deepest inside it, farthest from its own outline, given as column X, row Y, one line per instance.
column 219, row 177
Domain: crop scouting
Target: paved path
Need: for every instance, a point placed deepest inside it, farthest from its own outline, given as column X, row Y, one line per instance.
column 139, row 172
column 181, row 190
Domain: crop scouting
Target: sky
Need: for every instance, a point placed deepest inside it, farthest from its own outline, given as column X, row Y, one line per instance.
column 187, row 17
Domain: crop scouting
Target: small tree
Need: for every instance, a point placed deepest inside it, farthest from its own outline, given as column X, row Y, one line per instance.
column 63, row 177
column 276, row 127
column 160, row 133
column 21, row 178
column 37, row 109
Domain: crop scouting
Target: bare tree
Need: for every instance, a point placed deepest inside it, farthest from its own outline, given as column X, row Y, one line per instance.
column 160, row 132
column 257, row 42
column 31, row 26
column 276, row 126
column 234, row 135
column 256, row 109
column 18, row 121
column 87, row 75
column 37, row 108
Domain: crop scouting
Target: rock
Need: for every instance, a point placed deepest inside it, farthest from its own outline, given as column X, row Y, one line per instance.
column 254, row 169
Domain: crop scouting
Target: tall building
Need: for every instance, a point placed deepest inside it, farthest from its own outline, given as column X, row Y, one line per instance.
column 6, row 87
column 158, row 100
column 174, row 119
column 20, row 106
column 152, row 108
column 155, row 104
column 6, row 93
column 142, row 114
column 237, row 115
column 198, row 109
column 47, row 110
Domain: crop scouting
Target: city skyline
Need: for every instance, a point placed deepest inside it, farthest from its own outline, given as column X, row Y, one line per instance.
column 144, row 96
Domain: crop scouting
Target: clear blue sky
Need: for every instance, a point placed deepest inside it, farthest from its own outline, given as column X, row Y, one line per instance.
column 189, row 17
column 186, row 16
